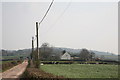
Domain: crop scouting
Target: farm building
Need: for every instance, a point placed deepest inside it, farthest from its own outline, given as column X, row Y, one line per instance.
column 65, row 56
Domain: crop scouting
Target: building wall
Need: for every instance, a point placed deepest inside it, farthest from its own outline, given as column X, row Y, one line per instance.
column 66, row 56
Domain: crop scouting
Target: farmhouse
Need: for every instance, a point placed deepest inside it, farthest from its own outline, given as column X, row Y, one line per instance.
column 65, row 56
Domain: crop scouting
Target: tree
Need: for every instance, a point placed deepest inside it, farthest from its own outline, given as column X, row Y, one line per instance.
column 46, row 51
column 92, row 56
column 85, row 55
column 45, row 45
column 21, row 58
column 64, row 51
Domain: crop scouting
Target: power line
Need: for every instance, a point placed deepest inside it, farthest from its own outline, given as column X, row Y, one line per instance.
column 58, row 18
column 44, row 16
column 46, row 12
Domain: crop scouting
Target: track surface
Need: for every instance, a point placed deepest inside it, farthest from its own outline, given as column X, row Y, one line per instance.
column 16, row 71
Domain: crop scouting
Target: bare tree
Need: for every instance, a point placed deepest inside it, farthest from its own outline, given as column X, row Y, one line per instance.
column 87, row 55
column 84, row 55
column 46, row 51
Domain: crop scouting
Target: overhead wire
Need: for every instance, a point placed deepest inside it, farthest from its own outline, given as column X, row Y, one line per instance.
column 46, row 12
column 58, row 18
column 44, row 16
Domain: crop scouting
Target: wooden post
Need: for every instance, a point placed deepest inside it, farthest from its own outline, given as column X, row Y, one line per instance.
column 37, row 39
column 38, row 59
column 32, row 47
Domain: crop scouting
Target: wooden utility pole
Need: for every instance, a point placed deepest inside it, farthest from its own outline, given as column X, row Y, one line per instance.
column 38, row 58
column 32, row 47
column 37, row 40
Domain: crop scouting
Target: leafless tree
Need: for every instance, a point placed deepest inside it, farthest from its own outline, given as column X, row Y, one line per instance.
column 45, row 51
column 87, row 55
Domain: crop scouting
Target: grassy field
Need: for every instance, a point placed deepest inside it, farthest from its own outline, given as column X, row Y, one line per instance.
column 3, row 62
column 82, row 70
column 13, row 57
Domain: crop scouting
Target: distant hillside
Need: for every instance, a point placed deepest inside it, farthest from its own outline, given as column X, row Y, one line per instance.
column 15, row 54
column 100, row 54
column 77, row 51
column 58, row 51
column 106, row 55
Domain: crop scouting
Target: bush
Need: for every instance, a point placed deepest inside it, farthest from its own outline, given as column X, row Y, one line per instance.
column 29, row 63
column 10, row 64
column 19, row 61
column 37, row 64
column 35, row 73
column 14, row 63
column 6, row 66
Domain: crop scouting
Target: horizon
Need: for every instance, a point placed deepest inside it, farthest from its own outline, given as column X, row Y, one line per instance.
column 90, row 25
column 60, row 47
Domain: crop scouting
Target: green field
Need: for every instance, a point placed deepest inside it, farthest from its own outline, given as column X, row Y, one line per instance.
column 13, row 57
column 82, row 70
column 3, row 62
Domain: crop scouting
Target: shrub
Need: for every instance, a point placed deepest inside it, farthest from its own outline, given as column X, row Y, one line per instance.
column 10, row 64
column 14, row 63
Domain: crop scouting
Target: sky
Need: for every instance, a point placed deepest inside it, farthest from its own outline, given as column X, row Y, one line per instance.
column 0, row 25
column 91, row 25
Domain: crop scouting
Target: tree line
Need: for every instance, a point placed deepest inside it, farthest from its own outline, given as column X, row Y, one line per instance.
column 47, row 53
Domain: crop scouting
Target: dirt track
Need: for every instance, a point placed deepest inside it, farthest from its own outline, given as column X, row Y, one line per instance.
column 16, row 71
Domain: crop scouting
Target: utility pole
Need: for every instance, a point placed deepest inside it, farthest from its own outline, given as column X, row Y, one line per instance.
column 38, row 59
column 37, row 39
column 32, row 47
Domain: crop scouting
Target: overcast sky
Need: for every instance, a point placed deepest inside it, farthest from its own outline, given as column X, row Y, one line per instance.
column 91, row 25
